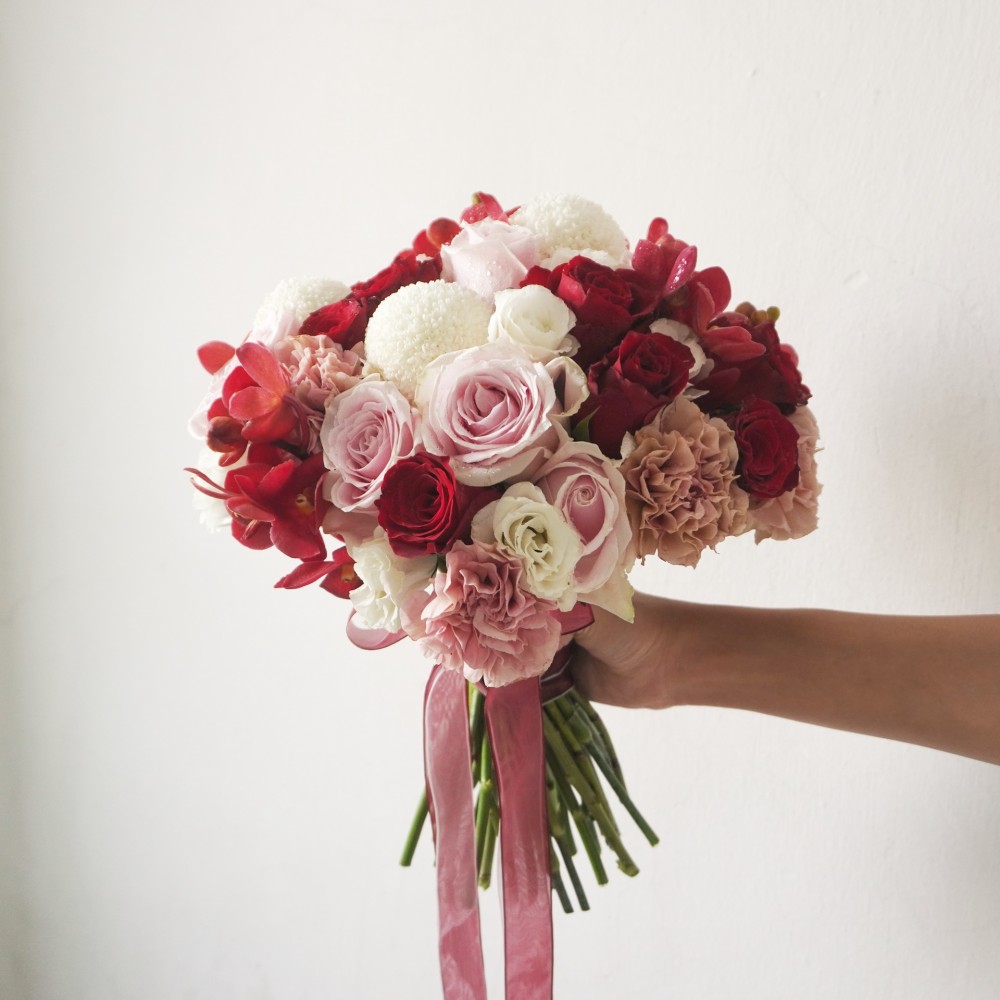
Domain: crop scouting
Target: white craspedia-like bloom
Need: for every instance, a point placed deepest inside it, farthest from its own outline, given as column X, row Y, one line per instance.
column 419, row 323
column 291, row 301
column 567, row 225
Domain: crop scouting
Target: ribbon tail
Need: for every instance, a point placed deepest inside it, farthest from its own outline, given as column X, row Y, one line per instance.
column 447, row 765
column 514, row 718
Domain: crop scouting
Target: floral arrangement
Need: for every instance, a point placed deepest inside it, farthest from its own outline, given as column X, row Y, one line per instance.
column 474, row 446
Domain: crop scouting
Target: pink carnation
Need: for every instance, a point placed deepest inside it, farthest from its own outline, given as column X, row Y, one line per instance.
column 318, row 369
column 480, row 619
column 793, row 514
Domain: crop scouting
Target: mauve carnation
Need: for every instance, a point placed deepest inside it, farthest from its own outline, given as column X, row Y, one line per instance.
column 489, row 256
column 679, row 485
column 481, row 619
column 793, row 514
column 366, row 431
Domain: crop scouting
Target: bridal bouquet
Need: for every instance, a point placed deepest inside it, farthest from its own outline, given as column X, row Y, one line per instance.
column 474, row 446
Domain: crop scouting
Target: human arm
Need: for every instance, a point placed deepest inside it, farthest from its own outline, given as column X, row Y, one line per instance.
column 934, row 681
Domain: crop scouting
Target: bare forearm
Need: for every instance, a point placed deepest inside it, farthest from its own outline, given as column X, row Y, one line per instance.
column 934, row 681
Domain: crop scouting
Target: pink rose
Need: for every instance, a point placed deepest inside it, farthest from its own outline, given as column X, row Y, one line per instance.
column 580, row 482
column 491, row 410
column 366, row 431
column 481, row 620
column 793, row 514
column 489, row 256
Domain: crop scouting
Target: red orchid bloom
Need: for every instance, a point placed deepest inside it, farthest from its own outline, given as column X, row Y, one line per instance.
column 274, row 500
column 336, row 575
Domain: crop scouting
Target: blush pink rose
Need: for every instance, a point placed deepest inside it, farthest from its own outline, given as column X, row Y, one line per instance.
column 580, row 482
column 793, row 514
column 492, row 411
column 481, row 620
column 365, row 432
column 489, row 256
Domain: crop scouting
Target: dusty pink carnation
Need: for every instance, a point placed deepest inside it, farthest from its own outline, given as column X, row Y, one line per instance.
column 679, row 485
column 481, row 620
column 793, row 514
column 318, row 369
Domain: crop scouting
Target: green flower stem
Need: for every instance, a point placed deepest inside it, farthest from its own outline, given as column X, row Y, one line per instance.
column 485, row 802
column 557, row 882
column 477, row 725
column 558, row 715
column 586, row 831
column 486, row 863
column 567, row 848
column 414, row 835
column 619, row 789
column 597, row 723
column 589, row 797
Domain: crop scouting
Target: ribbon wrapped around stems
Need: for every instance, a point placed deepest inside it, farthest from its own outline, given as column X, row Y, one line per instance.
column 531, row 749
column 514, row 722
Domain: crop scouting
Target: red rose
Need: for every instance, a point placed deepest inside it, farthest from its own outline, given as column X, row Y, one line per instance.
column 343, row 322
column 606, row 302
column 423, row 508
column 407, row 269
column 768, row 444
column 641, row 375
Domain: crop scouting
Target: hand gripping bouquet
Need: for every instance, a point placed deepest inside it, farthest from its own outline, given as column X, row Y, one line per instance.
column 474, row 446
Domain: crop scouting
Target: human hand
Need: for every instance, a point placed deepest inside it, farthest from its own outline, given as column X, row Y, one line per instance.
column 633, row 665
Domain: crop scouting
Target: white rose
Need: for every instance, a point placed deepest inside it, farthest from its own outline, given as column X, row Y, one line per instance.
column 386, row 581
column 524, row 525
column 535, row 319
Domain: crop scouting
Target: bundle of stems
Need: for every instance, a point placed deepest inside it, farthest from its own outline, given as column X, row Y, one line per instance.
column 578, row 753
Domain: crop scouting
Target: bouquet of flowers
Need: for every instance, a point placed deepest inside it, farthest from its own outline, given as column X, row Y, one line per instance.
column 474, row 446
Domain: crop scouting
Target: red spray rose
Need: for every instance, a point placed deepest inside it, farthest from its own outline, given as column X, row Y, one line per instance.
column 769, row 450
column 423, row 508
column 641, row 375
column 750, row 362
column 606, row 302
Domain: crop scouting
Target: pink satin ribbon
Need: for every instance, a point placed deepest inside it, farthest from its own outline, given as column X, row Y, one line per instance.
column 514, row 720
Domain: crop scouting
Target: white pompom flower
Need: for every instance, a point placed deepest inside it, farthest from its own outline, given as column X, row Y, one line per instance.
column 567, row 225
column 419, row 323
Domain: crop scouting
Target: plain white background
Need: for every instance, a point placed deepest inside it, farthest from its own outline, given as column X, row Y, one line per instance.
column 204, row 788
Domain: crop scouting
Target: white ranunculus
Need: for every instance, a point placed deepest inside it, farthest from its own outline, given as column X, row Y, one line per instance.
column 386, row 581
column 524, row 525
column 535, row 319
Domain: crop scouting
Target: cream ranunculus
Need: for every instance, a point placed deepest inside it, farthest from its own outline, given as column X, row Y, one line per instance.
column 525, row 526
column 535, row 319
column 386, row 581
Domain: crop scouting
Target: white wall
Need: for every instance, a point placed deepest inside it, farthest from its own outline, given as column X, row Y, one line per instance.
column 210, row 785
